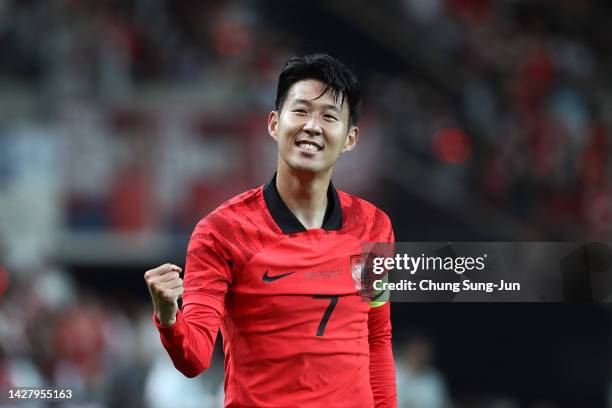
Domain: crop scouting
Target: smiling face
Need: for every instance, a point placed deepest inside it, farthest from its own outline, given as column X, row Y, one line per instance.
column 311, row 130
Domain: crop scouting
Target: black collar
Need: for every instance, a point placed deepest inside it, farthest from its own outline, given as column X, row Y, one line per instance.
column 288, row 222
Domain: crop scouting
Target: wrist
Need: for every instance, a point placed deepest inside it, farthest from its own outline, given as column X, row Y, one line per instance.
column 166, row 319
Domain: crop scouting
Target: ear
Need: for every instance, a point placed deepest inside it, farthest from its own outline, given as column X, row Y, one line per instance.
column 351, row 139
column 273, row 124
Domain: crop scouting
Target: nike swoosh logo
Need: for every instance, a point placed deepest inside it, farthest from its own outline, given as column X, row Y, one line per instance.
column 267, row 278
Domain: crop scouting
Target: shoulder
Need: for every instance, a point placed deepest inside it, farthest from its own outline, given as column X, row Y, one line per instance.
column 356, row 210
column 233, row 212
column 233, row 230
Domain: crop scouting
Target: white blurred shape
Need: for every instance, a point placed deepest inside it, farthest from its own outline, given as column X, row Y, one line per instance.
column 30, row 201
column 55, row 288
column 167, row 387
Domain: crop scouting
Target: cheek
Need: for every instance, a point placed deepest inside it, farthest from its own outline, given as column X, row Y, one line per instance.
column 286, row 129
column 340, row 140
column 283, row 140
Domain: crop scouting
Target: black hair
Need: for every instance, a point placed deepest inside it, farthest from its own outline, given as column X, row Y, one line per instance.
column 331, row 72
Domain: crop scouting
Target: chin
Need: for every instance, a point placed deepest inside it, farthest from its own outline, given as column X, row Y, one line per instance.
column 304, row 166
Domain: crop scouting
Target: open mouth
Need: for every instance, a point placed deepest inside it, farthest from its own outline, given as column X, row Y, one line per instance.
column 308, row 146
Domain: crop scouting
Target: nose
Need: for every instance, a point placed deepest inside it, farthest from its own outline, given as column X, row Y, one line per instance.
column 313, row 125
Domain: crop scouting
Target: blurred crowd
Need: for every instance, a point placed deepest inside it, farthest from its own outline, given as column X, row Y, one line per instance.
column 140, row 116
column 522, row 95
column 135, row 117
column 108, row 354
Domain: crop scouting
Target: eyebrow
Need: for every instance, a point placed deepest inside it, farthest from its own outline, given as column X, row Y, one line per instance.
column 309, row 103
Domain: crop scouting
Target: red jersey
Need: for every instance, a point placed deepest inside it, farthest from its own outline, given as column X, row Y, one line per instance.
column 296, row 332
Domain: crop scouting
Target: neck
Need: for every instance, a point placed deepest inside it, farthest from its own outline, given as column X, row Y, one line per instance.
column 305, row 194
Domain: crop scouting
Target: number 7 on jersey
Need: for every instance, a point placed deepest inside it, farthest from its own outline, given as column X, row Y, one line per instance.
column 328, row 312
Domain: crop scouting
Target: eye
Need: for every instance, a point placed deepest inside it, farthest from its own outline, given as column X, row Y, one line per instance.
column 330, row 117
column 299, row 111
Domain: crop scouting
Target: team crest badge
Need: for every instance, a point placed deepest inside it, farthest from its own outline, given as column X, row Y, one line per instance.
column 358, row 269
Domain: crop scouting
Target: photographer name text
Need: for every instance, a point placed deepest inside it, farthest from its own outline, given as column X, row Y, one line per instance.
column 429, row 285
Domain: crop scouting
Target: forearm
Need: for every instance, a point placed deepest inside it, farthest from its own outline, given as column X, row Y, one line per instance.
column 382, row 369
column 190, row 341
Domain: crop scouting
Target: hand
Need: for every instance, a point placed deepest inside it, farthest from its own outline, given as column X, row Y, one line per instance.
column 165, row 287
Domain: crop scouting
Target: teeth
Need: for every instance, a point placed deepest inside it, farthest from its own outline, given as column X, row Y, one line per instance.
column 308, row 146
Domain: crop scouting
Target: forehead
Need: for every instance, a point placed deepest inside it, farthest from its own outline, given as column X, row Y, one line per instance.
column 310, row 90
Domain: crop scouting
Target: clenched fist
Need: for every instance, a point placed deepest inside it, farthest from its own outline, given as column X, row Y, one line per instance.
column 165, row 287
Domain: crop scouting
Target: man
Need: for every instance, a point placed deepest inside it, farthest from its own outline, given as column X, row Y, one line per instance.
column 272, row 267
